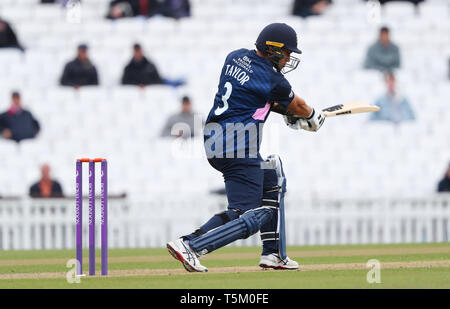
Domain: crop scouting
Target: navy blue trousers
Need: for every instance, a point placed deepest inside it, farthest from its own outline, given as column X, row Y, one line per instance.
column 245, row 186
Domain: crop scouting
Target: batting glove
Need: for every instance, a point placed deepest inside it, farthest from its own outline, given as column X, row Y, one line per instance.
column 292, row 121
column 312, row 123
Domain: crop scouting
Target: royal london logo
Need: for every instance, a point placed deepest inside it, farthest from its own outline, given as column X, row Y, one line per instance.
column 91, row 203
column 78, row 204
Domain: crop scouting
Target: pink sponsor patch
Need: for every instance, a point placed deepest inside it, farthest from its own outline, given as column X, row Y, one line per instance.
column 261, row 113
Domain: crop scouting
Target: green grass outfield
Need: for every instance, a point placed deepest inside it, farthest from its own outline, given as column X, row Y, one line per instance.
column 402, row 266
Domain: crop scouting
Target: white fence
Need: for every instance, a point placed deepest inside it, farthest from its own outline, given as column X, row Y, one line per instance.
column 49, row 223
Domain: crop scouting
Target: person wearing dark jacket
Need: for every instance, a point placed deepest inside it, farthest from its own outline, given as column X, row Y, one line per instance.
column 306, row 8
column 141, row 71
column 17, row 123
column 46, row 186
column 415, row 2
column 80, row 71
column 132, row 8
column 8, row 38
column 444, row 184
column 176, row 8
column 148, row 8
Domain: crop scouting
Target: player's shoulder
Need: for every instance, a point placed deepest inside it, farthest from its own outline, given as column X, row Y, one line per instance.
column 277, row 77
column 241, row 52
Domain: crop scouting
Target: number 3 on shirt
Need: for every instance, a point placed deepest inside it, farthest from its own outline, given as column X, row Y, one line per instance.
column 228, row 88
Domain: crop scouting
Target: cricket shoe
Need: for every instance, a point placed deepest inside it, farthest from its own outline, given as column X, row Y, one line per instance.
column 183, row 253
column 274, row 261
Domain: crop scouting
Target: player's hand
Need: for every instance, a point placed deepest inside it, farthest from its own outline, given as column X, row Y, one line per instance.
column 6, row 133
column 311, row 123
column 292, row 121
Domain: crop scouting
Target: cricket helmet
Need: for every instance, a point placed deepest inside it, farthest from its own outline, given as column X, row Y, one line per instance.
column 273, row 39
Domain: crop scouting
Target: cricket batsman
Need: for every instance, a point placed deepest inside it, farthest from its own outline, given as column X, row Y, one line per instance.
column 252, row 84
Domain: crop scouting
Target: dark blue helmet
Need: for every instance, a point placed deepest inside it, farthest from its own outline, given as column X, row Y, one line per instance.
column 273, row 39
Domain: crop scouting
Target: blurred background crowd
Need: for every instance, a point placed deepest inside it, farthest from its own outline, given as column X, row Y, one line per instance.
column 114, row 79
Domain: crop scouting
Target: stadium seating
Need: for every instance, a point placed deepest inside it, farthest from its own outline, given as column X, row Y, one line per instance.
column 356, row 157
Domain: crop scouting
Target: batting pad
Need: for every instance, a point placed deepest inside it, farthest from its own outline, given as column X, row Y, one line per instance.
column 243, row 227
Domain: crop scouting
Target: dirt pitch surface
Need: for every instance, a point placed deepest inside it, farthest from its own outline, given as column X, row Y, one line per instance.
column 243, row 269
column 231, row 256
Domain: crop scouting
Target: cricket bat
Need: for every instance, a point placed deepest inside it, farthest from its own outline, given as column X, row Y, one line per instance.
column 349, row 108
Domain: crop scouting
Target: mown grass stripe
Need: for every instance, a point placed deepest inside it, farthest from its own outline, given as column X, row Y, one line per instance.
column 243, row 255
column 67, row 253
column 228, row 262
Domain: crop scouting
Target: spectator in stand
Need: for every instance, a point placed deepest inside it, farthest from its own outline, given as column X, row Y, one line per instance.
column 8, row 38
column 176, row 8
column 80, row 71
column 306, row 8
column 63, row 3
column 148, row 8
column 415, row 2
column 132, row 8
column 393, row 107
column 383, row 55
column 17, row 123
column 444, row 184
column 46, row 186
column 186, row 119
column 141, row 71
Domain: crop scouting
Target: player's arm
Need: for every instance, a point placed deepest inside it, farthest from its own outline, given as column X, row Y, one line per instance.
column 296, row 113
column 298, row 107
column 299, row 115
